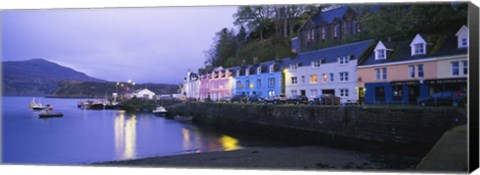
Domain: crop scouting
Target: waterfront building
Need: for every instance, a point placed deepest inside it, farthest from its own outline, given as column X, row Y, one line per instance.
column 204, row 89
column 263, row 79
column 191, row 86
column 220, row 83
column 143, row 93
column 401, row 72
column 330, row 26
column 326, row 71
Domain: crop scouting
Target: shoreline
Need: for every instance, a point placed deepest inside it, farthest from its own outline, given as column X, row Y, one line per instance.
column 278, row 158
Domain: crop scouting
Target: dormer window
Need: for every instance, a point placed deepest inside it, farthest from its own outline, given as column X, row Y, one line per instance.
column 238, row 73
column 259, row 70
column 462, row 37
column 316, row 63
column 271, row 68
column 247, row 71
column 418, row 46
column 293, row 66
column 464, row 43
column 419, row 49
column 343, row 60
column 380, row 54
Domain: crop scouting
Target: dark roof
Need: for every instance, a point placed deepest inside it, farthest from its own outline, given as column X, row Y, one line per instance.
column 327, row 16
column 329, row 55
column 442, row 46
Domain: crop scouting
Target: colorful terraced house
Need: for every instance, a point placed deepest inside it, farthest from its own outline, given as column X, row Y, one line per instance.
column 401, row 72
column 263, row 79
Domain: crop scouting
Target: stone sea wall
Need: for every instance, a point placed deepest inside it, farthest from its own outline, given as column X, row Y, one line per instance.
column 395, row 125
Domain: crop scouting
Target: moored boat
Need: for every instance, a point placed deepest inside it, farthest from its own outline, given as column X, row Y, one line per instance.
column 160, row 110
column 36, row 105
column 47, row 113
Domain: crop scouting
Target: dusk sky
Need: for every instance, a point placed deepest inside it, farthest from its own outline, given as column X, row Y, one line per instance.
column 155, row 45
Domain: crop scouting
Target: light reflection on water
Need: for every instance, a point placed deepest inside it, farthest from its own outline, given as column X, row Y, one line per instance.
column 88, row 136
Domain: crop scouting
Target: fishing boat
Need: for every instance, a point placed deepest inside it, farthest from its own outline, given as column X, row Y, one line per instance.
column 47, row 113
column 36, row 105
column 160, row 110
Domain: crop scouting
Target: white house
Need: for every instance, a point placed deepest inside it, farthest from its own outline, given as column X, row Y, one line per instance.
column 144, row 93
column 326, row 71
column 191, row 86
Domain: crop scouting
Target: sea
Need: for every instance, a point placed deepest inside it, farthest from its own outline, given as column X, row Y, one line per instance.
column 83, row 137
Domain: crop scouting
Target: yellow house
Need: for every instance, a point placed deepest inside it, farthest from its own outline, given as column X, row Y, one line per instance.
column 402, row 71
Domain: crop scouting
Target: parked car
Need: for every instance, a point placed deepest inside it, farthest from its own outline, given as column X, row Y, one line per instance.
column 239, row 98
column 326, row 99
column 226, row 99
column 297, row 99
column 454, row 98
column 277, row 99
column 254, row 99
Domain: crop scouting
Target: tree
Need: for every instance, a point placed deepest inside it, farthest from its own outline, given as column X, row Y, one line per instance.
column 254, row 17
column 225, row 46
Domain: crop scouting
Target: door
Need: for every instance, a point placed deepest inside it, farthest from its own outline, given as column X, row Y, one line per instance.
column 302, row 93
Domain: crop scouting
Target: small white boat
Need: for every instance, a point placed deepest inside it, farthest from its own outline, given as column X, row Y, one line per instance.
column 36, row 105
column 160, row 110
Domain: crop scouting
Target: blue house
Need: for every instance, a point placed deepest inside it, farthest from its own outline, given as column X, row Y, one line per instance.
column 262, row 79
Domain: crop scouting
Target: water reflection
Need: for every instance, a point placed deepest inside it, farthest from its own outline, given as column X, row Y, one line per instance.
column 229, row 143
column 125, row 135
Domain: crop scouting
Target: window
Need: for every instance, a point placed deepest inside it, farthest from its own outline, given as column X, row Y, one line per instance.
column 336, row 30
column 377, row 74
column 419, row 48
column 271, row 93
column 293, row 66
column 303, row 79
column 464, row 42
column 271, row 82
column 384, row 73
column 259, row 83
column 397, row 93
column 380, row 54
column 313, row 79
column 343, row 92
column 313, row 92
column 455, row 70
column 465, row 67
column 316, row 63
column 420, row 70
column 294, row 92
column 324, row 78
column 343, row 76
column 259, row 70
column 247, row 83
column 271, row 69
column 331, row 77
column 294, row 80
column 411, row 71
column 239, row 85
column 343, row 60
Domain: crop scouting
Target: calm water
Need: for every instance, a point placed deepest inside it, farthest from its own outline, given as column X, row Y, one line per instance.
column 87, row 136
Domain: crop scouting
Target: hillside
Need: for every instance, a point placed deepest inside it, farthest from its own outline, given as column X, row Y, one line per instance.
column 103, row 89
column 37, row 77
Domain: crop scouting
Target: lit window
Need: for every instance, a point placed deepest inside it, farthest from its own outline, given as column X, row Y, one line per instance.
column 324, row 78
column 313, row 79
column 420, row 70
column 411, row 71
column 455, row 69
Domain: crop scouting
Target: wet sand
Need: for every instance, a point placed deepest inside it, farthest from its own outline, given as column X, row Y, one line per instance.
column 288, row 158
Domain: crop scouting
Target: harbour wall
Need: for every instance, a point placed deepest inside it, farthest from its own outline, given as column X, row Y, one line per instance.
column 413, row 127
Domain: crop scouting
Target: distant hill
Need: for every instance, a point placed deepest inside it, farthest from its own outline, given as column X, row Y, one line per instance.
column 37, row 77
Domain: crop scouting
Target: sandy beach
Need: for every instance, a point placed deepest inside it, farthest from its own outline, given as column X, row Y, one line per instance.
column 287, row 158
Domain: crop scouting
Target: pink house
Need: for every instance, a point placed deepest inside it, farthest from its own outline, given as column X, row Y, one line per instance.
column 220, row 83
column 204, row 91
